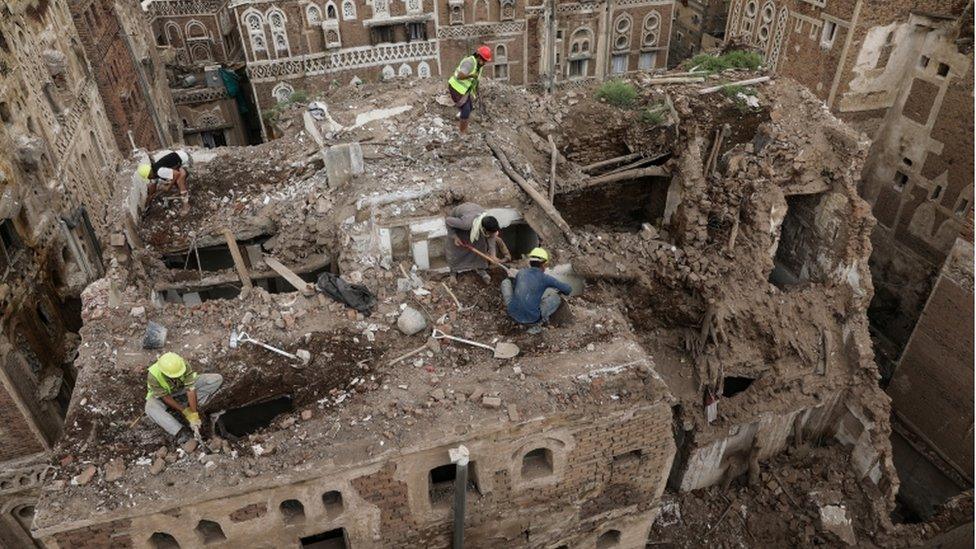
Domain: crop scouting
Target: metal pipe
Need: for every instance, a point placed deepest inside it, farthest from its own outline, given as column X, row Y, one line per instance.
column 459, row 456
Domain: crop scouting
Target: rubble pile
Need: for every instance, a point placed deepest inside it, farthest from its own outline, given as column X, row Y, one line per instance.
column 689, row 287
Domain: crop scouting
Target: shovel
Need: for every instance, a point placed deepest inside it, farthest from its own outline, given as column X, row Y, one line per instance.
column 236, row 338
column 501, row 350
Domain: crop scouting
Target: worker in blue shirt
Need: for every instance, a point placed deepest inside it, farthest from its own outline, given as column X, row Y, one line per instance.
column 534, row 296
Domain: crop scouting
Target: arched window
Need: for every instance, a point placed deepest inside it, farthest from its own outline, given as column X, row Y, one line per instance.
column 388, row 72
column 621, row 28
column 254, row 23
column 200, row 52
column 507, row 10
column 173, row 35
column 381, row 9
column 279, row 34
column 313, row 15
column 282, row 92
column 652, row 29
column 423, row 69
column 196, row 30
column 348, row 9
column 501, row 52
column 482, row 11
column 330, row 11
column 405, row 71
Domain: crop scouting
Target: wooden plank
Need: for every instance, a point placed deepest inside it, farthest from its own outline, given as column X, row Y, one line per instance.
column 239, row 264
column 284, row 272
column 612, row 161
column 552, row 168
column 655, row 171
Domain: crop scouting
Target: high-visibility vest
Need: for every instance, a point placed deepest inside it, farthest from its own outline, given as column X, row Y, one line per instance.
column 160, row 377
column 463, row 86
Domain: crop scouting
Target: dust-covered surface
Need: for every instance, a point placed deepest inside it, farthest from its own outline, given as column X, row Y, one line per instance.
column 783, row 506
column 678, row 287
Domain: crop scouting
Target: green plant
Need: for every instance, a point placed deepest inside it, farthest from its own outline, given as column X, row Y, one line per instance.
column 618, row 93
column 653, row 115
column 298, row 96
column 738, row 59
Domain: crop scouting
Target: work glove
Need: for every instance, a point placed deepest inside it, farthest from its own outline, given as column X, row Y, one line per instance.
column 193, row 418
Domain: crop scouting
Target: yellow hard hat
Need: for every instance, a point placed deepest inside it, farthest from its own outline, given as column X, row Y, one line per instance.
column 144, row 170
column 172, row 365
column 539, row 253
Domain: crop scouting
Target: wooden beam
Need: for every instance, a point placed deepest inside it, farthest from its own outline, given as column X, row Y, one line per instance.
column 637, row 164
column 748, row 82
column 552, row 168
column 529, row 188
column 673, row 80
column 239, row 264
column 314, row 263
column 296, row 281
column 652, row 171
column 612, row 161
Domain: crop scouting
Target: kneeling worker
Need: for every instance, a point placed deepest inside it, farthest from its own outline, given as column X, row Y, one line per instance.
column 172, row 383
column 171, row 168
column 535, row 295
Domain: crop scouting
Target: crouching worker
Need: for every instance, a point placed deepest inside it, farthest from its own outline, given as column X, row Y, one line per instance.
column 170, row 169
column 173, row 384
column 472, row 230
column 534, row 296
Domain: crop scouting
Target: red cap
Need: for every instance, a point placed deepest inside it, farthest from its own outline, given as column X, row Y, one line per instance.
column 484, row 52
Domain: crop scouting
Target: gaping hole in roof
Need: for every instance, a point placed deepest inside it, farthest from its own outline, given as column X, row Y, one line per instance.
column 240, row 422
column 618, row 205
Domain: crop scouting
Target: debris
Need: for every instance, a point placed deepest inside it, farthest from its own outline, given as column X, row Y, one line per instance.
column 411, row 321
column 114, row 470
column 491, row 402
column 190, row 445
column 85, row 476
column 157, row 466
column 834, row 519
column 155, row 337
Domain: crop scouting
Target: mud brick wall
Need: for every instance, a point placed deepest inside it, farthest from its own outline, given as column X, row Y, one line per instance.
column 16, row 437
column 932, row 387
column 111, row 534
column 613, row 464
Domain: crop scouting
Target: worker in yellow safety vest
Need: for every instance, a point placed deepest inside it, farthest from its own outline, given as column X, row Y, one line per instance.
column 463, row 84
column 173, row 383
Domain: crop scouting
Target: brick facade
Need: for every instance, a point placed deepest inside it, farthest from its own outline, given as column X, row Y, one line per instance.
column 699, row 25
column 291, row 46
column 600, row 472
column 137, row 110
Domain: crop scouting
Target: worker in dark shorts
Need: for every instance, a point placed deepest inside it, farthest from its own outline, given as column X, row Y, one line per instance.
column 164, row 172
column 463, row 84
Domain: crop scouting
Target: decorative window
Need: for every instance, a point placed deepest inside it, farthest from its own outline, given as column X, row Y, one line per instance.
column 621, row 28
column 200, row 52
column 405, row 71
column 348, row 9
column 279, row 35
column 652, row 29
column 254, row 23
column 457, row 16
column 381, row 9
column 482, row 11
column 332, row 39
column 749, row 19
column 537, row 464
column 414, row 6
column 423, row 69
column 507, row 10
column 388, row 72
column 330, row 11
column 578, row 68
column 580, row 42
column 313, row 15
column 282, row 92
column 196, row 30
column 765, row 27
column 173, row 35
